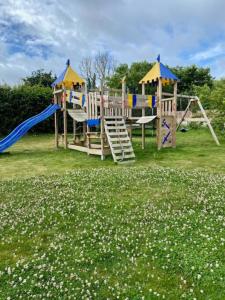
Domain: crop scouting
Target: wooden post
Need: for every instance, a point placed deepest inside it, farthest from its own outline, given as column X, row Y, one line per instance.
column 159, row 114
column 74, row 126
column 102, row 122
column 56, row 122
column 143, row 114
column 208, row 122
column 65, row 118
column 123, row 95
column 84, row 123
column 174, row 113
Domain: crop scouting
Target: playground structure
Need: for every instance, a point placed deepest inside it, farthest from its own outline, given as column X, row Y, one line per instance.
column 103, row 120
column 107, row 119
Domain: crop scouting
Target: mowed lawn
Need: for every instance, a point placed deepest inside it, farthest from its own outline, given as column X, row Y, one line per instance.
column 75, row 227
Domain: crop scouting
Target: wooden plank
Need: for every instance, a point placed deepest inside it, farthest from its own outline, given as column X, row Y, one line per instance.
column 125, row 156
column 119, row 144
column 121, row 133
column 116, row 127
column 79, row 148
column 113, row 118
column 113, row 122
column 122, row 139
column 130, row 150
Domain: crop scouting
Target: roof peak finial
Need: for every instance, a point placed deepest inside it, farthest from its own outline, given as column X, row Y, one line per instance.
column 158, row 58
column 68, row 62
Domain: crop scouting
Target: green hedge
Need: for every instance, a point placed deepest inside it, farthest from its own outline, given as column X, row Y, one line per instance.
column 22, row 102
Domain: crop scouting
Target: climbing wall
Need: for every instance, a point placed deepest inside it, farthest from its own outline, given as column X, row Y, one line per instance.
column 166, row 132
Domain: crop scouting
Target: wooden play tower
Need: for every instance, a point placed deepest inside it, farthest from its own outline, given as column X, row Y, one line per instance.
column 103, row 119
column 161, row 76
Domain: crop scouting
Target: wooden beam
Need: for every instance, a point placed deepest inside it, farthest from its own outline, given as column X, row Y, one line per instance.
column 159, row 114
column 102, row 121
column 56, row 121
column 65, row 118
column 143, row 125
column 174, row 113
column 208, row 122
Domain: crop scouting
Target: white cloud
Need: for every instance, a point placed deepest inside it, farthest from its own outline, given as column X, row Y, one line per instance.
column 56, row 30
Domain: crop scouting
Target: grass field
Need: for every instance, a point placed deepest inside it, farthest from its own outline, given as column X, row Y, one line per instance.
column 74, row 227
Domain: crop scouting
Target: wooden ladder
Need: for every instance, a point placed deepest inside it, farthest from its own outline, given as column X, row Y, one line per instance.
column 119, row 140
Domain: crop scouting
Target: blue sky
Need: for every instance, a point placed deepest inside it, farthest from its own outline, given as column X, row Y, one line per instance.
column 43, row 34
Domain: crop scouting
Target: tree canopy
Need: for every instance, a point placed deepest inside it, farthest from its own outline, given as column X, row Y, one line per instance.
column 189, row 76
column 40, row 77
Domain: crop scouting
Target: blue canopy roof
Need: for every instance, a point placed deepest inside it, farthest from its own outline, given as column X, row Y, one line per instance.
column 166, row 73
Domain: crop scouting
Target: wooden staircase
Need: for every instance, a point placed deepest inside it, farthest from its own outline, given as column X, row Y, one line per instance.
column 119, row 140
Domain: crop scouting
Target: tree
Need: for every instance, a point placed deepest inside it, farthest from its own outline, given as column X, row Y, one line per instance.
column 115, row 80
column 192, row 76
column 39, row 77
column 134, row 74
column 104, row 65
column 87, row 71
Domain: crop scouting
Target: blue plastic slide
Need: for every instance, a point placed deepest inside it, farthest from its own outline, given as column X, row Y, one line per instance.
column 23, row 128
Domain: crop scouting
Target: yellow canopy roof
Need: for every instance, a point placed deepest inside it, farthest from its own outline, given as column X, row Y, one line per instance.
column 152, row 75
column 71, row 77
column 159, row 71
column 68, row 78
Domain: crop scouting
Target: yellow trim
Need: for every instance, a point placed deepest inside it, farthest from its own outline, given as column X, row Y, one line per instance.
column 149, row 99
column 71, row 77
column 152, row 75
column 130, row 100
column 80, row 98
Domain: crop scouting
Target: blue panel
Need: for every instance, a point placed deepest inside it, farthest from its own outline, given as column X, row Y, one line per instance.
column 60, row 78
column 83, row 100
column 153, row 101
column 166, row 73
column 134, row 101
column 93, row 122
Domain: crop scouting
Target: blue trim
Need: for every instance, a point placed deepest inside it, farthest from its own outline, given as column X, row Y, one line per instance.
column 134, row 101
column 93, row 122
column 153, row 101
column 166, row 73
column 60, row 78
column 71, row 96
column 83, row 100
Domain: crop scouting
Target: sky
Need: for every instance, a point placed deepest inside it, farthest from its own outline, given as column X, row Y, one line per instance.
column 43, row 34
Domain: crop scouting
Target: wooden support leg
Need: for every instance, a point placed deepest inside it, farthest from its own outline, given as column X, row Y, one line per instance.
column 56, row 130
column 208, row 122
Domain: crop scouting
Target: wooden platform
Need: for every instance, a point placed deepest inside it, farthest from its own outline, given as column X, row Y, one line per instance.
column 95, row 151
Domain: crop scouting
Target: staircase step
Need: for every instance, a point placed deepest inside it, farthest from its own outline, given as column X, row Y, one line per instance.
column 119, row 141
column 120, row 133
column 128, row 150
column 116, row 139
column 125, row 156
column 113, row 122
column 116, row 127
column 113, row 118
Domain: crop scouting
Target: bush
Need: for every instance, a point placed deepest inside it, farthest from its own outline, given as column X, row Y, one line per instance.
column 218, row 123
column 22, row 102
